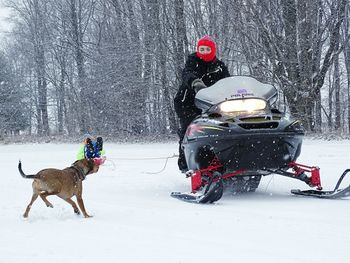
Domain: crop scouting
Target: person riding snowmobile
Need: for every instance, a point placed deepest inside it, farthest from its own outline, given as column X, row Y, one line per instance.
column 202, row 69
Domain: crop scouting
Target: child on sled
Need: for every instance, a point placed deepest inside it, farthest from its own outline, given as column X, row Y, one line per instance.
column 91, row 148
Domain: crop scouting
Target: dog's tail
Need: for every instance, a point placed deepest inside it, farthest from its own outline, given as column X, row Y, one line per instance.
column 31, row 176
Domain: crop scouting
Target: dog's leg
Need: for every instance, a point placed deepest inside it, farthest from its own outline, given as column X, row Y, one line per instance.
column 43, row 197
column 82, row 207
column 34, row 197
column 73, row 204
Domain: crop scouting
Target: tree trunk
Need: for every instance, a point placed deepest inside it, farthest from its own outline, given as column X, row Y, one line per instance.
column 42, row 91
column 346, row 41
column 79, row 59
column 135, row 41
column 304, row 28
column 337, row 123
column 181, row 38
column 330, row 103
column 39, row 51
column 179, row 57
column 291, row 55
column 61, row 101
column 317, row 20
column 149, row 13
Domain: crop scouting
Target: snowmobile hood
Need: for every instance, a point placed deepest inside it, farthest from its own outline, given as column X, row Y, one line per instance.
column 235, row 87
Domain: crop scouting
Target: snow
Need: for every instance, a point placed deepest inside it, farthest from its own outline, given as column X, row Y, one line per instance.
column 135, row 219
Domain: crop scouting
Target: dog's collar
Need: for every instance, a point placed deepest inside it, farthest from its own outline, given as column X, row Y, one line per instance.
column 80, row 172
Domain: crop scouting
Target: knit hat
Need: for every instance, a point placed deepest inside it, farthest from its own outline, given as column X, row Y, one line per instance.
column 209, row 42
column 87, row 136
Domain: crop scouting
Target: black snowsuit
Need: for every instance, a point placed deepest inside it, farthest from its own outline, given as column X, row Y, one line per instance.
column 195, row 68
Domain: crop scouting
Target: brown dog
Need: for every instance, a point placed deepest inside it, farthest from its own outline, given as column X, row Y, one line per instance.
column 64, row 183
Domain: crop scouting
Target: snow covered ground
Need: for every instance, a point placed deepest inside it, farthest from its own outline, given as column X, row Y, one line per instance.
column 135, row 219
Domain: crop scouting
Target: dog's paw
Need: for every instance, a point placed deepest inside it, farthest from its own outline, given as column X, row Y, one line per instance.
column 87, row 216
column 49, row 205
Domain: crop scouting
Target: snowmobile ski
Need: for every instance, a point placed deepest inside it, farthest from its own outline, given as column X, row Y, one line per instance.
column 335, row 194
column 324, row 194
column 212, row 193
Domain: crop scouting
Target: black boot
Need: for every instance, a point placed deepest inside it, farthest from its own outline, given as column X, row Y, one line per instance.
column 99, row 144
column 90, row 151
column 181, row 162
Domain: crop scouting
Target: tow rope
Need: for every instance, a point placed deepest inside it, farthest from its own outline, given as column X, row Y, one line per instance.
column 166, row 158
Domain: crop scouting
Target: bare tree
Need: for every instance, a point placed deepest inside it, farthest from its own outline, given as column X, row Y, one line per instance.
column 346, row 44
column 34, row 14
column 78, row 29
column 112, row 66
column 292, row 39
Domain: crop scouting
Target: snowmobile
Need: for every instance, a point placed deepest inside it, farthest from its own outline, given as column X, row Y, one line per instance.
column 240, row 137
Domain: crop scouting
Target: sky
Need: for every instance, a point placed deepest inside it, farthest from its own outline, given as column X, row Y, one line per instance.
column 4, row 24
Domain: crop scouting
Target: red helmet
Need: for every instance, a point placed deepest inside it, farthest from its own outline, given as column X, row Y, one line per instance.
column 209, row 42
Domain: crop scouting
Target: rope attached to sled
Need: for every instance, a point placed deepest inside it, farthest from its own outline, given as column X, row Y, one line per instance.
column 147, row 159
column 165, row 164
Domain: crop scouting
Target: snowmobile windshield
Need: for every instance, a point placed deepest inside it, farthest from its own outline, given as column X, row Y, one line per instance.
column 236, row 87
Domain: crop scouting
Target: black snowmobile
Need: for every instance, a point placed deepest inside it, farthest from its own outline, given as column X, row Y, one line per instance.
column 240, row 137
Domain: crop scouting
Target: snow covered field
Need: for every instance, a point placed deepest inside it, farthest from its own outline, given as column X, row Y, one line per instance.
column 135, row 219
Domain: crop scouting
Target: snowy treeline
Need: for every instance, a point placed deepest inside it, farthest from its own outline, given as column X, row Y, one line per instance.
column 113, row 66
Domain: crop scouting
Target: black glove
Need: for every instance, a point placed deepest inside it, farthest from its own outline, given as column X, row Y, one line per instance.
column 197, row 85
